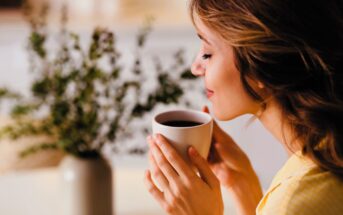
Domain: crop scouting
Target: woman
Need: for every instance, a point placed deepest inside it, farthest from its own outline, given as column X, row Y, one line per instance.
column 280, row 60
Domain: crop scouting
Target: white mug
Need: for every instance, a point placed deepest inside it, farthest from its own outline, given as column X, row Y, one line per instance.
column 184, row 135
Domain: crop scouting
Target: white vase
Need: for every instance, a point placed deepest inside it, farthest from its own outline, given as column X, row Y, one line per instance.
column 86, row 186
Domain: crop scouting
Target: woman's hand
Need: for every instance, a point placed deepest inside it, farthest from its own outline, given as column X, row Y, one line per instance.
column 234, row 170
column 181, row 191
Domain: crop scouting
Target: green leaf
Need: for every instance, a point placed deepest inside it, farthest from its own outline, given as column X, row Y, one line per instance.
column 187, row 75
column 37, row 41
column 6, row 93
column 114, row 126
column 61, row 84
column 41, row 88
column 115, row 73
column 59, row 112
column 144, row 32
column 20, row 129
column 94, row 73
column 21, row 110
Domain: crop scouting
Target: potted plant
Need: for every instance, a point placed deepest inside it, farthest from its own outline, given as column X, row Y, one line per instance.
column 82, row 100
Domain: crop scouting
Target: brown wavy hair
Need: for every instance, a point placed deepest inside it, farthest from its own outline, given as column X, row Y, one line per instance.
column 295, row 49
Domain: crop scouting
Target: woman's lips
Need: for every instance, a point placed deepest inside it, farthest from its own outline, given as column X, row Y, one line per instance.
column 209, row 93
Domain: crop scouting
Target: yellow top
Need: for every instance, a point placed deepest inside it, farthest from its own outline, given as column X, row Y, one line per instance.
column 301, row 187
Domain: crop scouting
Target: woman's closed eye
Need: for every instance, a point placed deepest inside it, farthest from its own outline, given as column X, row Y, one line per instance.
column 206, row 56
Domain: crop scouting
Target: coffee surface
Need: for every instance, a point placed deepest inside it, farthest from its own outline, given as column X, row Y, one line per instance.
column 181, row 123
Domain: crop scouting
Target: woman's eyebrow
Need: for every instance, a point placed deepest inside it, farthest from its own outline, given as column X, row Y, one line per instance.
column 202, row 38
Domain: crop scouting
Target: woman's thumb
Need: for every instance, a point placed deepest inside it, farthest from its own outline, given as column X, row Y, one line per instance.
column 216, row 129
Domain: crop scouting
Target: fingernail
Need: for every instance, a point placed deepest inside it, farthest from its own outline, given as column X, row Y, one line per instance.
column 155, row 136
column 192, row 151
column 158, row 139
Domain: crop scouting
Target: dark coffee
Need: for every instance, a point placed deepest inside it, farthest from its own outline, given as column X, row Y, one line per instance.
column 181, row 123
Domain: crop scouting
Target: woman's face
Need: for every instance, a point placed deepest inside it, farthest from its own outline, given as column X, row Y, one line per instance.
column 215, row 62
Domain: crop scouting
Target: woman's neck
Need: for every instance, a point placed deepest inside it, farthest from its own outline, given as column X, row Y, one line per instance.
column 272, row 120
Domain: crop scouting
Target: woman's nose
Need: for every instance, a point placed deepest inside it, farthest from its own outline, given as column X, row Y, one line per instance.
column 197, row 68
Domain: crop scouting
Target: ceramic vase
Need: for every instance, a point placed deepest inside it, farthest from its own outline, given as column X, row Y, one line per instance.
column 86, row 186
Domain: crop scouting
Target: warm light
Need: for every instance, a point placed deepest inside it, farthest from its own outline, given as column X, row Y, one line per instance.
column 109, row 7
column 82, row 7
column 118, row 12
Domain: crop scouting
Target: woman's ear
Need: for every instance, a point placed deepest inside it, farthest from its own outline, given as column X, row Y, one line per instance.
column 260, row 85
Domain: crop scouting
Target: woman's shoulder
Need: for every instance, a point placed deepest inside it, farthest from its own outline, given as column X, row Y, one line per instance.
column 314, row 191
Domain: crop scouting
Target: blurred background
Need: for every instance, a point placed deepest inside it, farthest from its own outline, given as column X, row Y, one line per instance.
column 30, row 186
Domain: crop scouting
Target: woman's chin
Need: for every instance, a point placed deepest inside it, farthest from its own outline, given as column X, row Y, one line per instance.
column 224, row 115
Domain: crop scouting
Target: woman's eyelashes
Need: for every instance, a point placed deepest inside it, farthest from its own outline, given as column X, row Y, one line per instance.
column 206, row 56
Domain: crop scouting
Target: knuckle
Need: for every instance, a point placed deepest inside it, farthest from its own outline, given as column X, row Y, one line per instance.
column 163, row 164
column 156, row 173
column 193, row 186
column 180, row 191
column 188, row 185
column 171, row 155
column 158, row 157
